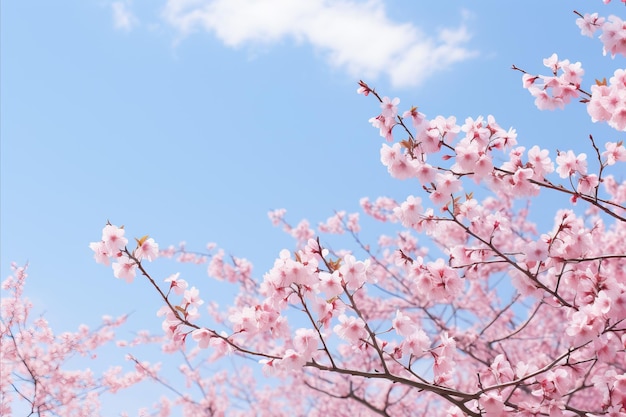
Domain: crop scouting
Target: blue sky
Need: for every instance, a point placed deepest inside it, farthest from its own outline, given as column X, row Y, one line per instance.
column 189, row 120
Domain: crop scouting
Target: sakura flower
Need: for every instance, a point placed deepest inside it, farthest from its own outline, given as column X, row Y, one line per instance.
column 466, row 155
column 397, row 162
column 385, row 126
column 177, row 285
column 540, row 162
column 291, row 361
column 613, row 36
column 147, row 249
column 589, row 23
column 582, row 326
column 416, row 344
column 417, row 117
column 113, row 238
column 476, row 131
column 403, row 324
column 191, row 297
column 587, row 184
column 350, row 328
column 330, row 284
column 521, row 184
column 390, row 107
column 305, row 341
column 101, row 254
column 492, row 404
column 552, row 62
column 202, row 336
column 570, row 164
column 445, row 282
column 270, row 367
column 425, row 173
column 554, row 382
column 354, row 272
column 535, row 251
column 409, row 211
column 501, row 369
column 447, row 183
column 124, row 268
column 614, row 152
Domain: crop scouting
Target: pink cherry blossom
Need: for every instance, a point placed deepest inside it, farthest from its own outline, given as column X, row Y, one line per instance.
column 350, row 328
column 148, row 249
column 569, row 164
column 353, row 272
column 178, row 286
column 203, row 337
column 589, row 24
column 113, row 238
column 390, row 107
column 613, row 36
column 125, row 268
column 615, row 152
column 101, row 254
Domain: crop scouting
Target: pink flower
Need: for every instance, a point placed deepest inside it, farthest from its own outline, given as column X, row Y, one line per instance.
column 540, row 162
column 390, row 107
column 177, row 285
column 113, row 238
column 397, row 162
column 536, row 251
column 417, row 117
column 613, row 36
column 147, row 249
column 350, row 328
column 522, row 186
column 492, row 404
column 501, row 369
column 569, row 164
column 589, row 23
column 582, row 327
column 100, row 252
column 587, row 184
column 291, row 361
column 445, row 281
column 425, row 173
column 552, row 62
column 353, row 272
column 447, row 183
column 305, row 341
column 202, row 336
column 409, row 211
column 416, row 344
column 124, row 268
column 614, row 152
column 403, row 324
column 191, row 297
column 330, row 284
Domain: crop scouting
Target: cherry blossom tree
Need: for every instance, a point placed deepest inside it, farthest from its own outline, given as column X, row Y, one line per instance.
column 493, row 317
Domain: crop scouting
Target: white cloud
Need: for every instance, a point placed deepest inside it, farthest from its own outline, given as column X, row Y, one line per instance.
column 356, row 36
column 123, row 18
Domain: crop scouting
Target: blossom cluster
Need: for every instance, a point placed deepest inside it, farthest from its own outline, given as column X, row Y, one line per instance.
column 111, row 250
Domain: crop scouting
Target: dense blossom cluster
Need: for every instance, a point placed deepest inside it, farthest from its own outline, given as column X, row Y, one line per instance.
column 506, row 320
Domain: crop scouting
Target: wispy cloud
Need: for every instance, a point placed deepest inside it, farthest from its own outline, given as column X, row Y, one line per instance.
column 356, row 36
column 123, row 18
